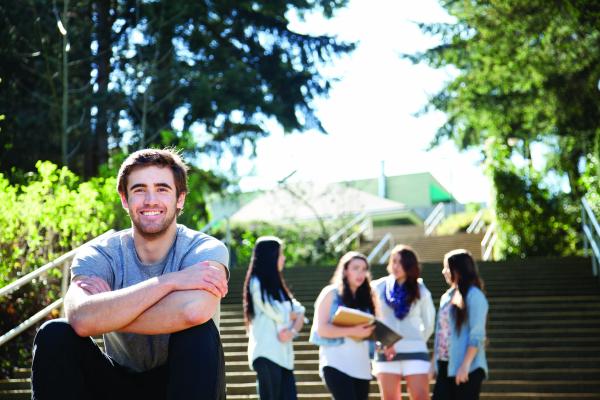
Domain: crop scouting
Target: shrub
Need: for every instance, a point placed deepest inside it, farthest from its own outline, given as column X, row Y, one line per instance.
column 43, row 218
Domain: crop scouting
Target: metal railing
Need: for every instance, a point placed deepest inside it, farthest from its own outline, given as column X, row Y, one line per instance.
column 382, row 249
column 478, row 223
column 350, row 232
column 60, row 261
column 433, row 220
column 488, row 242
column 215, row 223
column 591, row 234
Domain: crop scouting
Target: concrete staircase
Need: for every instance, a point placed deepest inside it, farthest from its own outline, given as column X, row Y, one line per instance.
column 429, row 248
column 543, row 330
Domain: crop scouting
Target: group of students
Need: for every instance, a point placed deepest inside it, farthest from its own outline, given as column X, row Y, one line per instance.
column 347, row 360
column 153, row 292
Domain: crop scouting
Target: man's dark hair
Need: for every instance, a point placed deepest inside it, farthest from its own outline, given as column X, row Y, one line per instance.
column 154, row 157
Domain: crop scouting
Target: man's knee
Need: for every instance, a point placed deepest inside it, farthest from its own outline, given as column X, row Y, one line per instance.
column 199, row 346
column 200, row 335
column 56, row 333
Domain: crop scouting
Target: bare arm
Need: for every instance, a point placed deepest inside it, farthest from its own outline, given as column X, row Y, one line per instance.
column 178, row 310
column 93, row 310
column 175, row 312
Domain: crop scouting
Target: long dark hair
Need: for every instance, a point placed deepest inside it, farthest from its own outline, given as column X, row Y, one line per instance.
column 463, row 272
column 362, row 299
column 410, row 264
column 263, row 265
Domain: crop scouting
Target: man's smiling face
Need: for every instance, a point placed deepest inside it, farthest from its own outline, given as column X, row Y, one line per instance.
column 152, row 200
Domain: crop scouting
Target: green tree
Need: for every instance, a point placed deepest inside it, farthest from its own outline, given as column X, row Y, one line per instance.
column 224, row 67
column 526, row 72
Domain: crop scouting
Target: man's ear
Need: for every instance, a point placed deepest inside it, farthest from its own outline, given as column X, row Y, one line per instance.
column 180, row 200
column 124, row 202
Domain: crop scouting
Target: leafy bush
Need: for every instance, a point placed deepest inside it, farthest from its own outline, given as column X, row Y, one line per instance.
column 459, row 222
column 533, row 219
column 50, row 214
column 303, row 244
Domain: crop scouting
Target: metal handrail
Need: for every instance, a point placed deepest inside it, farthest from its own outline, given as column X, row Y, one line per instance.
column 362, row 228
column 343, row 230
column 23, row 326
column 387, row 239
column 591, row 234
column 433, row 220
column 488, row 242
column 477, row 223
column 11, row 287
column 433, row 213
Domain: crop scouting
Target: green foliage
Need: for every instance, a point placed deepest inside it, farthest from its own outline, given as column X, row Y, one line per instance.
column 50, row 214
column 531, row 219
column 200, row 182
column 304, row 244
column 526, row 72
column 225, row 68
column 459, row 222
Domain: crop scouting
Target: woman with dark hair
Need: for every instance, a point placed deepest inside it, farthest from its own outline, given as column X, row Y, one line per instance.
column 273, row 319
column 344, row 362
column 459, row 349
column 405, row 305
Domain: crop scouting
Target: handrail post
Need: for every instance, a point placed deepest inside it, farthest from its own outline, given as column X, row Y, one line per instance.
column 585, row 239
column 434, row 218
column 488, row 242
column 64, row 284
column 591, row 235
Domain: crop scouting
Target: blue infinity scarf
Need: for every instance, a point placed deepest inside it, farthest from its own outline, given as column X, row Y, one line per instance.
column 395, row 297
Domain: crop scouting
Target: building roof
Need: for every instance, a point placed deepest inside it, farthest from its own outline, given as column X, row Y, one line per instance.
column 413, row 190
column 307, row 200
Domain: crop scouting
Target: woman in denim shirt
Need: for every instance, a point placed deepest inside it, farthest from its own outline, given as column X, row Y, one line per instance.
column 344, row 362
column 273, row 318
column 459, row 347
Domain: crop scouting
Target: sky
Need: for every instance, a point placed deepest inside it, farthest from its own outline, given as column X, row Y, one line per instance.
column 369, row 114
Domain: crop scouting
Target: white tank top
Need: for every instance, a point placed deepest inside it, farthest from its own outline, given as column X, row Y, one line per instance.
column 351, row 358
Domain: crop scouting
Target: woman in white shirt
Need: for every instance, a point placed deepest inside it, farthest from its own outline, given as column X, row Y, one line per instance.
column 405, row 305
column 344, row 362
column 273, row 319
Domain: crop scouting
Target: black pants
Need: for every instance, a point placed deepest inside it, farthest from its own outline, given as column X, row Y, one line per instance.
column 69, row 367
column 344, row 387
column 445, row 387
column 273, row 382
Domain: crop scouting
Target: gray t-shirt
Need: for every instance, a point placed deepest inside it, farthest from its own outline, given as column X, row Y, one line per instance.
column 115, row 260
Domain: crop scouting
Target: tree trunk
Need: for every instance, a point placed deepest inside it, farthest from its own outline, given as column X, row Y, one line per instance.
column 97, row 146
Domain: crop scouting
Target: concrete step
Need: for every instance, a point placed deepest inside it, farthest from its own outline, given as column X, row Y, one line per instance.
column 543, row 332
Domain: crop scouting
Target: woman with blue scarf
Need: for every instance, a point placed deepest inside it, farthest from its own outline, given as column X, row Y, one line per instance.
column 405, row 305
